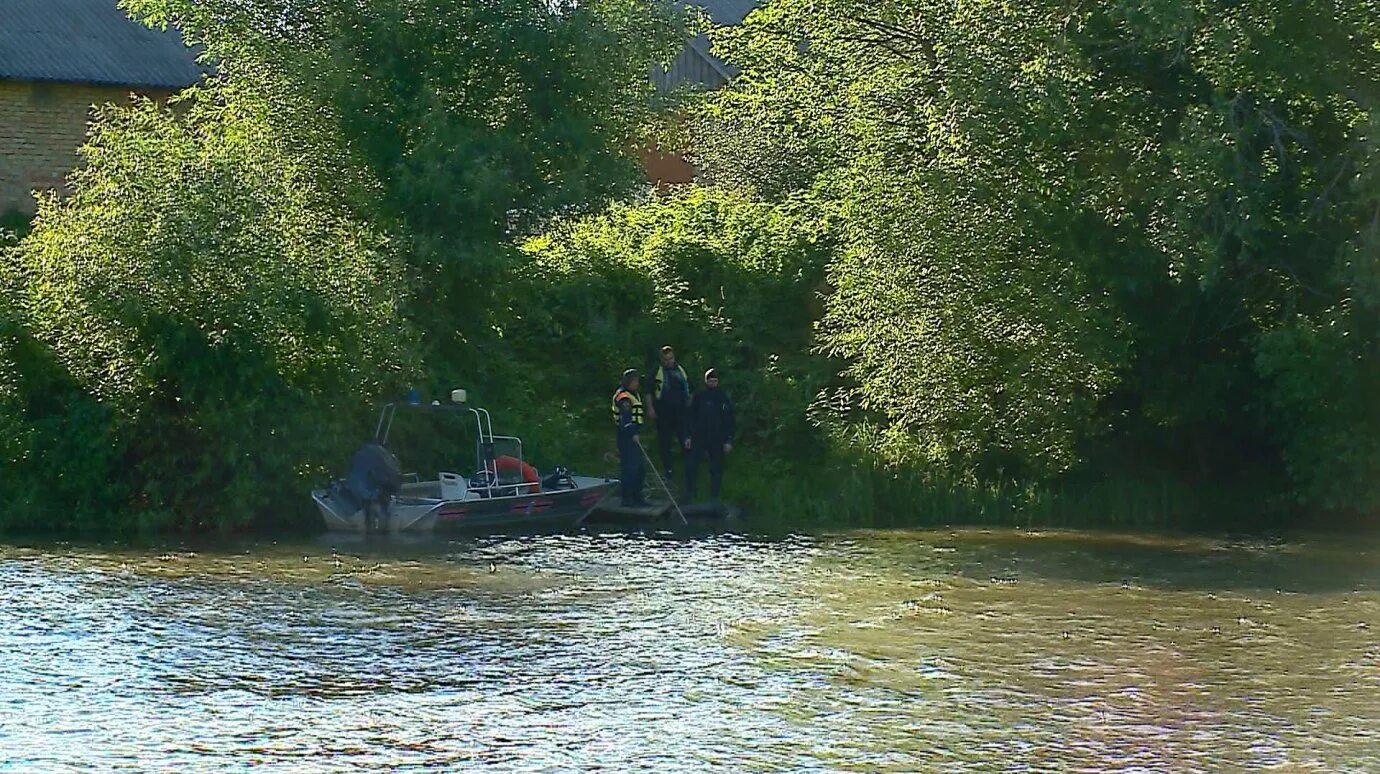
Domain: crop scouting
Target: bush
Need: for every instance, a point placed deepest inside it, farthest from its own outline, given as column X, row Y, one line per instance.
column 728, row 281
column 219, row 320
column 1329, row 428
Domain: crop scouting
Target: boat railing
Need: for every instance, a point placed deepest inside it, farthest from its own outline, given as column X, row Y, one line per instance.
column 488, row 447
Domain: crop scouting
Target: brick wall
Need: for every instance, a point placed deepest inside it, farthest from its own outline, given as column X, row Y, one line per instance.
column 43, row 124
column 666, row 169
column 41, row 127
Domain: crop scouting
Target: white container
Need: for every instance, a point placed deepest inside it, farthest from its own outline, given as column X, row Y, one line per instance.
column 453, row 486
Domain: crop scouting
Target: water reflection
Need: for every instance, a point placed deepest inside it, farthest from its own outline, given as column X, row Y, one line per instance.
column 873, row 651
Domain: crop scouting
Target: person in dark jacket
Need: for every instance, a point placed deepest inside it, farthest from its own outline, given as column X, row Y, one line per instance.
column 670, row 399
column 710, row 425
column 627, row 415
column 374, row 477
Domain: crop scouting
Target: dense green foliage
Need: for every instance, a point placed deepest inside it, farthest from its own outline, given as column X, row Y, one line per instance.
column 1131, row 234
column 215, row 339
column 1110, row 263
column 473, row 118
column 726, row 280
column 195, row 332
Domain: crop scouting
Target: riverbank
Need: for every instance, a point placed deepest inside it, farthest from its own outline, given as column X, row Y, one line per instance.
column 781, row 497
column 859, row 496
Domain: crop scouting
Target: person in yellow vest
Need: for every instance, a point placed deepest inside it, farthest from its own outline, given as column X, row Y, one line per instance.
column 670, row 399
column 628, row 416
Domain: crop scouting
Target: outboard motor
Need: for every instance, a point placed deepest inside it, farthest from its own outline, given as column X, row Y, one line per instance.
column 559, row 479
column 374, row 477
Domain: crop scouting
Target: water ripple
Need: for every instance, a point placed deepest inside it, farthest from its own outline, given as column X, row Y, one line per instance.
column 976, row 650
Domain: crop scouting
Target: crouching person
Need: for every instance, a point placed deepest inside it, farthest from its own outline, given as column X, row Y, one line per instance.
column 374, row 478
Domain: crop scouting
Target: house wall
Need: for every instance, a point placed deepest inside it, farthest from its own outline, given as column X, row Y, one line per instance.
column 41, row 127
column 666, row 169
column 689, row 67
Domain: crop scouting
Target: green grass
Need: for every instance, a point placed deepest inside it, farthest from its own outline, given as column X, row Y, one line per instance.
column 863, row 497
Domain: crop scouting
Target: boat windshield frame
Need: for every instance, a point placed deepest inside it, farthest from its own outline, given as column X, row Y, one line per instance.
column 485, row 440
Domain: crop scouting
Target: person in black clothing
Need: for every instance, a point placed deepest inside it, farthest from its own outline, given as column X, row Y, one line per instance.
column 374, row 477
column 670, row 398
column 710, row 425
column 627, row 415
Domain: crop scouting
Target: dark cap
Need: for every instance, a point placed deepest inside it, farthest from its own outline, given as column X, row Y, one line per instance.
column 712, row 373
column 629, row 375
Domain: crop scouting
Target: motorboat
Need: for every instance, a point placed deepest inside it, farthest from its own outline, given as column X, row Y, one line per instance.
column 504, row 491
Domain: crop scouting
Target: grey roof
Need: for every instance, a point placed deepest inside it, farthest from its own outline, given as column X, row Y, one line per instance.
column 698, row 62
column 89, row 41
column 726, row 12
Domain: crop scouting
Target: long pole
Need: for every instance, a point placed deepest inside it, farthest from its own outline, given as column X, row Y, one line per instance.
column 662, row 481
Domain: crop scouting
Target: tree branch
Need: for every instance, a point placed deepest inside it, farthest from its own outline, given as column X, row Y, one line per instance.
column 925, row 45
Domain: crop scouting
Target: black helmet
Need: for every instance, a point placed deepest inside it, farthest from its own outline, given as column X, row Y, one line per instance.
column 629, row 375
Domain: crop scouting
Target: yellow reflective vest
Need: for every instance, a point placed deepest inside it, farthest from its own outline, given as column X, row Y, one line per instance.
column 633, row 399
column 660, row 382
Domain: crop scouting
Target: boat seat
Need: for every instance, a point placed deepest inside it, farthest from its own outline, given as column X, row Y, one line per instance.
column 453, row 486
column 429, row 490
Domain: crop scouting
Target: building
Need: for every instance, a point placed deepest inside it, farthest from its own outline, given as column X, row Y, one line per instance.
column 59, row 58
column 696, row 66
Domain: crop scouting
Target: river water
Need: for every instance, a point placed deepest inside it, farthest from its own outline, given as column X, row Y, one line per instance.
column 858, row 651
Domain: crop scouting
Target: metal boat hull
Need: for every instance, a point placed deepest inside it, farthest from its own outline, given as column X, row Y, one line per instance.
column 426, row 514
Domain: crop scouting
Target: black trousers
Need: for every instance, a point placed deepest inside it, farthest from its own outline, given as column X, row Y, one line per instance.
column 670, row 433
column 633, row 473
column 377, row 511
column 714, row 453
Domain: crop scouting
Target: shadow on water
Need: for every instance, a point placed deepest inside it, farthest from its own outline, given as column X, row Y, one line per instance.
column 1297, row 563
column 1302, row 563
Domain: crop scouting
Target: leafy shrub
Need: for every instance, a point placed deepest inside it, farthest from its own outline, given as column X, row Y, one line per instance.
column 224, row 317
column 730, row 282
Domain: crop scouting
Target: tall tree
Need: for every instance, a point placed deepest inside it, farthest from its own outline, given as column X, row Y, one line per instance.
column 1117, row 226
column 218, row 312
column 473, row 121
column 474, row 118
